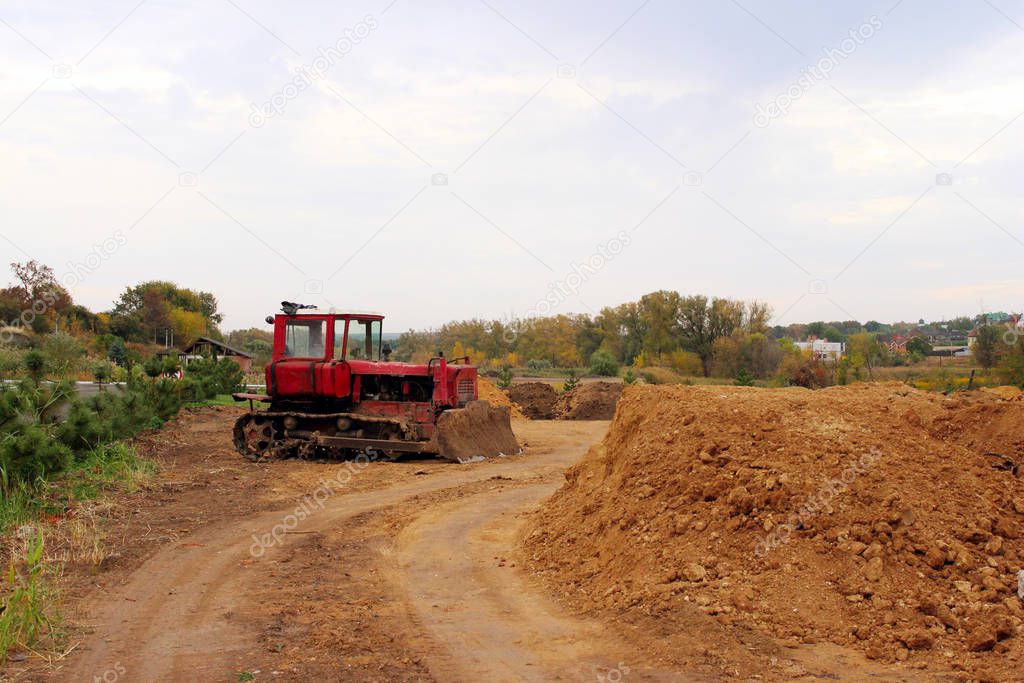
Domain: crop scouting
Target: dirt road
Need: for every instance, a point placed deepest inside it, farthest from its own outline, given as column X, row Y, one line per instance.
column 393, row 571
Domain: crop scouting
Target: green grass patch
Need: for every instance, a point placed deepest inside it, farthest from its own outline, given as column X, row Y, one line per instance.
column 28, row 604
column 113, row 467
column 218, row 400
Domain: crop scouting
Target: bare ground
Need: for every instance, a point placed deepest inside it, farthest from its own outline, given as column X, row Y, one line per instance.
column 402, row 571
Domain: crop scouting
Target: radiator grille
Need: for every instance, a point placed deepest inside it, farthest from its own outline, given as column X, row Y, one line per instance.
column 465, row 390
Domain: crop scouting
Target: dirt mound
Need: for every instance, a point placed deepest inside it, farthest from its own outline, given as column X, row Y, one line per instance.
column 537, row 399
column 478, row 430
column 589, row 401
column 868, row 516
column 496, row 397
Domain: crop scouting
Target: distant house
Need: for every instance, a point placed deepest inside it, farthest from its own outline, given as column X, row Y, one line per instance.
column 823, row 349
column 1012, row 323
column 205, row 347
column 898, row 342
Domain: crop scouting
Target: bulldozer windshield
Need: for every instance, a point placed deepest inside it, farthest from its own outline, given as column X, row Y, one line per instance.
column 363, row 339
column 304, row 339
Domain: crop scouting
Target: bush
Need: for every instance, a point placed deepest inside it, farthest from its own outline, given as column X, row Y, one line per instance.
column 116, row 352
column 33, row 446
column 571, row 381
column 35, row 363
column 803, row 371
column 629, row 377
column 538, row 364
column 744, row 378
column 102, row 372
column 63, row 353
column 504, row 377
column 206, row 378
column 686, row 363
column 153, row 367
column 603, row 365
column 10, row 363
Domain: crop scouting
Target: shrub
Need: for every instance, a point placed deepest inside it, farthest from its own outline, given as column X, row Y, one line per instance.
column 101, row 372
column 629, row 377
column 153, row 367
column 209, row 377
column 744, row 378
column 686, row 363
column 116, row 352
column 538, row 364
column 63, row 353
column 603, row 365
column 35, row 363
column 571, row 381
column 803, row 371
column 10, row 363
column 504, row 377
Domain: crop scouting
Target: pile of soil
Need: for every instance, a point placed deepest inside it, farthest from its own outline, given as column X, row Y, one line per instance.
column 496, row 397
column 536, row 399
column 871, row 516
column 589, row 401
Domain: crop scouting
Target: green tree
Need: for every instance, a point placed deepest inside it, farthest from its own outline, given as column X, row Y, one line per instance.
column 63, row 353
column 603, row 364
column 116, row 352
column 986, row 346
column 35, row 363
column 920, row 346
column 864, row 351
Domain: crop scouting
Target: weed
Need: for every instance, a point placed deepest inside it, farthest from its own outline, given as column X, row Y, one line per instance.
column 26, row 611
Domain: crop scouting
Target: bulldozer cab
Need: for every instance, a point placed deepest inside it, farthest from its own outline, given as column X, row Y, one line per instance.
column 357, row 338
column 329, row 336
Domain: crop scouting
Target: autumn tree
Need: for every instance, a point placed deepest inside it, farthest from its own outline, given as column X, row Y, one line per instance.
column 986, row 346
column 148, row 310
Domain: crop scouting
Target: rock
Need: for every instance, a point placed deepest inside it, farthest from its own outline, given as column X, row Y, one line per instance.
column 908, row 517
column 982, row 639
column 856, row 547
column 918, row 640
column 1004, row 628
column 935, row 557
column 994, row 545
column 740, row 498
column 695, row 572
column 992, row 583
column 1006, row 528
column 873, row 570
column 963, row 586
column 874, row 550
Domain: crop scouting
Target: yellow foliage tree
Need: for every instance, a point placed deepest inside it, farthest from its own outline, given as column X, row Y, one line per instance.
column 187, row 325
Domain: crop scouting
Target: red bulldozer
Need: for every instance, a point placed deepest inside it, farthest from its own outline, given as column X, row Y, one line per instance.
column 333, row 390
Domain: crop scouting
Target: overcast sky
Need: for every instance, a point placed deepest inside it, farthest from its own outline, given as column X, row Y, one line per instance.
column 453, row 159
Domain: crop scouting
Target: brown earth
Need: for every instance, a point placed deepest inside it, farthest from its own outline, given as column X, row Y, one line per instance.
column 536, row 399
column 369, row 571
column 589, row 401
column 873, row 518
column 486, row 391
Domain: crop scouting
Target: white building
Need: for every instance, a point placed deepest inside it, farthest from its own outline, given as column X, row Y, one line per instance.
column 823, row 349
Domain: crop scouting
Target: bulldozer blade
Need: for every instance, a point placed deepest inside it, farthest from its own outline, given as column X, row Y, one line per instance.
column 478, row 430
